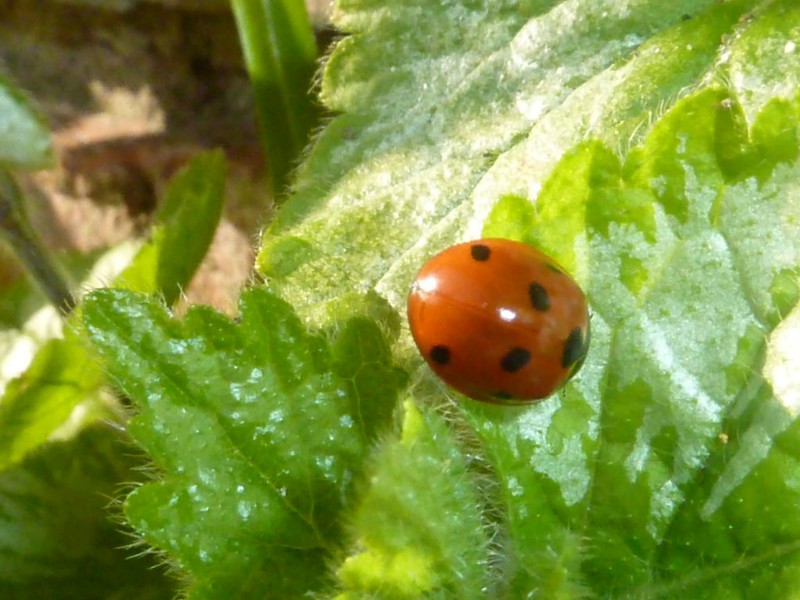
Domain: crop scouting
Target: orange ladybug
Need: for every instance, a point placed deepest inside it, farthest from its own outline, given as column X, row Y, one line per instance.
column 499, row 321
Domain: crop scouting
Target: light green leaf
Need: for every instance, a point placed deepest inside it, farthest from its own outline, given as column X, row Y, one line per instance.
column 671, row 424
column 36, row 404
column 419, row 524
column 183, row 230
column 24, row 137
column 448, row 108
column 675, row 449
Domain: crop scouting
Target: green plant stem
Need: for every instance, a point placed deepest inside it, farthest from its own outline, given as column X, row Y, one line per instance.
column 280, row 54
column 16, row 230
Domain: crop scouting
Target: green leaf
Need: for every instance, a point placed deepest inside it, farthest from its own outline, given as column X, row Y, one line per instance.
column 260, row 430
column 446, row 109
column 56, row 538
column 659, row 450
column 184, row 227
column 36, row 404
column 419, row 524
column 24, row 137
column 281, row 57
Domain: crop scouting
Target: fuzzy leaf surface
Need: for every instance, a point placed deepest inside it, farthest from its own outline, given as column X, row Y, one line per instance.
column 259, row 428
column 651, row 148
column 405, row 551
column 56, row 538
column 673, row 424
column 447, row 108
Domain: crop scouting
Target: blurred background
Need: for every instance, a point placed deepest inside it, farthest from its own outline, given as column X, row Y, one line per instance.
column 132, row 89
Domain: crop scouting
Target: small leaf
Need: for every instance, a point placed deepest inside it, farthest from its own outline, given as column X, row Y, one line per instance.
column 24, row 137
column 183, row 230
column 260, row 430
column 418, row 527
column 40, row 401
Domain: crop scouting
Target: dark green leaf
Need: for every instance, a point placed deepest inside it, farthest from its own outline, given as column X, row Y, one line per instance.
column 259, row 427
column 57, row 539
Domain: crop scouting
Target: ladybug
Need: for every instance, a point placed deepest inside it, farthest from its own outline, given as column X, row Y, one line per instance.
column 499, row 321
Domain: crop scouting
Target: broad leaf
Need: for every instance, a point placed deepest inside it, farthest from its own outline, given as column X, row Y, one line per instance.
column 647, row 455
column 447, row 108
column 260, row 429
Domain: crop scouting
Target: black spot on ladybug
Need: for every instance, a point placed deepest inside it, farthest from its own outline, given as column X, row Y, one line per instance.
column 554, row 268
column 540, row 299
column 480, row 252
column 515, row 359
column 502, row 395
column 584, row 351
column 575, row 348
column 440, row 355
